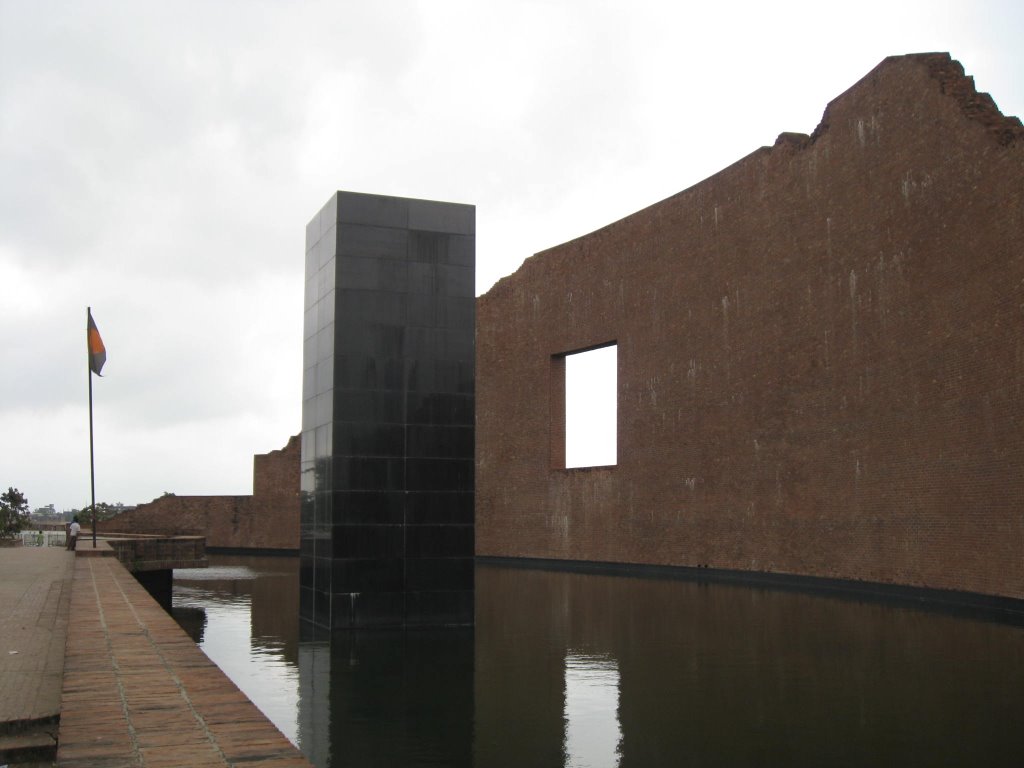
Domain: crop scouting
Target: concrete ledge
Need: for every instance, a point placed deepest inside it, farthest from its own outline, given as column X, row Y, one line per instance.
column 102, row 549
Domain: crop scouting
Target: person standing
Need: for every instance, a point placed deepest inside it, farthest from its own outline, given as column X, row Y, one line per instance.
column 73, row 530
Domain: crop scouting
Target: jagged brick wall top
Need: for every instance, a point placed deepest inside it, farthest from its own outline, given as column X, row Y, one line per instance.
column 821, row 357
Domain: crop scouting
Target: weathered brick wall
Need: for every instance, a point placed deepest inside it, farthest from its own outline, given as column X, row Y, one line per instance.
column 820, row 357
column 274, row 523
column 269, row 519
column 179, row 515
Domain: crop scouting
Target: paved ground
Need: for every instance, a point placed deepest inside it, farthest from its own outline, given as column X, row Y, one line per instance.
column 82, row 640
column 137, row 690
column 35, row 590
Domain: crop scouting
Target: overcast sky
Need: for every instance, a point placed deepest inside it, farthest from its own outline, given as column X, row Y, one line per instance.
column 159, row 162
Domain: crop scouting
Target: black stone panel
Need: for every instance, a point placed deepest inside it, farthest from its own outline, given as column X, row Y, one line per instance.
column 368, row 372
column 439, row 441
column 439, row 312
column 327, row 248
column 364, row 339
column 322, row 553
column 439, row 474
column 372, row 307
column 377, row 574
column 323, row 479
column 439, row 541
column 369, row 473
column 439, row 608
column 326, row 307
column 446, row 344
column 322, row 409
column 457, row 312
column 462, row 251
column 439, row 573
column 324, row 343
column 444, row 507
column 363, row 209
column 321, row 571
column 307, row 511
column 364, row 473
column 441, row 279
column 368, row 273
column 340, row 609
column 309, row 328
column 369, row 439
column 323, row 376
column 421, row 310
column 369, row 406
column 427, row 248
column 312, row 265
column 369, row 507
column 365, row 610
column 368, row 541
column 305, row 593
column 323, row 441
column 321, row 604
column 440, row 409
column 322, row 511
column 378, row 609
column 371, row 244
column 442, row 217
column 441, row 376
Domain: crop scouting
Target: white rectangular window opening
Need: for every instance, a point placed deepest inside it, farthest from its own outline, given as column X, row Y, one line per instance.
column 591, row 408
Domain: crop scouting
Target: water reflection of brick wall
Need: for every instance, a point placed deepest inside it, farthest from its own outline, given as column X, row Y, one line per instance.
column 269, row 519
column 820, row 357
column 275, row 601
column 725, row 675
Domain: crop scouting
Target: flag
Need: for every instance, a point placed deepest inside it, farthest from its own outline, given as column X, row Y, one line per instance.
column 97, row 352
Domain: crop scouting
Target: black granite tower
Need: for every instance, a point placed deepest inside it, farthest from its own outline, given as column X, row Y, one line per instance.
column 388, row 414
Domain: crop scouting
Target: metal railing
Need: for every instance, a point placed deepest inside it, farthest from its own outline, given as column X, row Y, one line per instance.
column 43, row 538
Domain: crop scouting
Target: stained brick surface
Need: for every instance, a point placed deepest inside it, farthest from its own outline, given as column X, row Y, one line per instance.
column 820, row 351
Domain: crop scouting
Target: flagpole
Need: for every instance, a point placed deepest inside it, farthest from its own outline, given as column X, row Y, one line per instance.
column 92, row 464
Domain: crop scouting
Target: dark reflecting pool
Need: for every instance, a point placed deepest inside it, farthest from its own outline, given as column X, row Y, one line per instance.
column 567, row 669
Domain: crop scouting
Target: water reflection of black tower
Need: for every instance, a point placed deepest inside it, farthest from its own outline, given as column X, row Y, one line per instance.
column 388, row 413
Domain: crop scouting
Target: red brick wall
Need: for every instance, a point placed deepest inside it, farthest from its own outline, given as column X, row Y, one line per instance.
column 269, row 519
column 820, row 357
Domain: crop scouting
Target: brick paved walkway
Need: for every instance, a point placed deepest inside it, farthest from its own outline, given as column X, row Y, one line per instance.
column 138, row 692
column 35, row 588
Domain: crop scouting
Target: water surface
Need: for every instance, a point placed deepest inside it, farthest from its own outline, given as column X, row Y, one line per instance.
column 568, row 669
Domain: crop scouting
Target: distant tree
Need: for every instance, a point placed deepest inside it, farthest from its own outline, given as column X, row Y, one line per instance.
column 103, row 511
column 13, row 513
